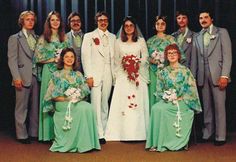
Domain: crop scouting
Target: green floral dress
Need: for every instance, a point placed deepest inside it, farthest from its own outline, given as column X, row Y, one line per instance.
column 45, row 51
column 158, row 44
column 82, row 135
column 162, row 133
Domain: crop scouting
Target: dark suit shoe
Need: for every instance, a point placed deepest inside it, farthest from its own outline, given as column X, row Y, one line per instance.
column 24, row 141
column 219, row 143
column 203, row 140
column 33, row 138
column 102, row 141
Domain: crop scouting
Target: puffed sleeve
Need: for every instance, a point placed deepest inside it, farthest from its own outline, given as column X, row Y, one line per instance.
column 190, row 93
column 44, row 51
column 55, row 89
column 83, row 86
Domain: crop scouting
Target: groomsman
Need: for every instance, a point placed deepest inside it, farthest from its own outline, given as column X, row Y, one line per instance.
column 75, row 36
column 21, row 48
column 184, row 36
column 98, row 63
column 211, row 64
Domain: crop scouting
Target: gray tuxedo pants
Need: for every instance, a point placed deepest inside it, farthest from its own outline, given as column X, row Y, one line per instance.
column 213, row 108
column 23, row 108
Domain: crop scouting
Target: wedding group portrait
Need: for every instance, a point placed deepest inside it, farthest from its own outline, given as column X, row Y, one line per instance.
column 130, row 80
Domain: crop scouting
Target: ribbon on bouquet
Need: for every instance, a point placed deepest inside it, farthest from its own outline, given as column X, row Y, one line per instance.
column 177, row 122
column 170, row 96
column 68, row 118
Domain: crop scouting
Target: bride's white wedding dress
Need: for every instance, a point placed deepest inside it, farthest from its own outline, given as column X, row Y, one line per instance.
column 129, row 111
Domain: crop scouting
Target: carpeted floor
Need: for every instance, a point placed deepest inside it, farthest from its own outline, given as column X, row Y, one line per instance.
column 12, row 151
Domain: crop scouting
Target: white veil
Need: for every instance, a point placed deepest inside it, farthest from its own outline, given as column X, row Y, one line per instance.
column 140, row 35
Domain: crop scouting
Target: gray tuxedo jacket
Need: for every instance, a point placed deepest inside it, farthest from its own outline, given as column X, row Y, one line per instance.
column 20, row 58
column 76, row 49
column 219, row 55
column 186, row 45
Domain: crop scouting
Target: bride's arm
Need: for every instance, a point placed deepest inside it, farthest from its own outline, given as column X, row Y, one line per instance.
column 117, row 56
column 144, row 60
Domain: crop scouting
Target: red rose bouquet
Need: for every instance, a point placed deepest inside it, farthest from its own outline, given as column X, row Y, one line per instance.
column 131, row 64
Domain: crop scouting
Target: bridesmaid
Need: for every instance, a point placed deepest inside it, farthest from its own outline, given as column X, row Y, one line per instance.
column 156, row 46
column 177, row 101
column 74, row 119
column 48, row 49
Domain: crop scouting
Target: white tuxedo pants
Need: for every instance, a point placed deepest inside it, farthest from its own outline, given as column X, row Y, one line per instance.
column 99, row 99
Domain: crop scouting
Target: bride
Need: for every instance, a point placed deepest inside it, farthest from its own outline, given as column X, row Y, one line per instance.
column 129, row 111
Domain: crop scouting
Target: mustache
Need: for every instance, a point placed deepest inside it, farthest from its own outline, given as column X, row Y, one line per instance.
column 204, row 22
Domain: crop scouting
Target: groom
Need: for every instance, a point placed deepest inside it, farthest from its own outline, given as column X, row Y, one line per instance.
column 98, row 61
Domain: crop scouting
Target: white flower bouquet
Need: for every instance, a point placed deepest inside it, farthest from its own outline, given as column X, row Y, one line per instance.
column 158, row 58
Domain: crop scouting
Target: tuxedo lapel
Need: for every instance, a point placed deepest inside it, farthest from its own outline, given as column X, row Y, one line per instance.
column 70, row 38
column 24, row 44
column 200, row 42
column 186, row 43
column 111, row 45
column 213, row 40
column 96, row 35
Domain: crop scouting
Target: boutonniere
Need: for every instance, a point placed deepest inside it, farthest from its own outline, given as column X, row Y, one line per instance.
column 188, row 40
column 212, row 37
column 96, row 41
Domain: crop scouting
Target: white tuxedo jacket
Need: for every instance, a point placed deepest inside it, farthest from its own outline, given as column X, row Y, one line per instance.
column 92, row 55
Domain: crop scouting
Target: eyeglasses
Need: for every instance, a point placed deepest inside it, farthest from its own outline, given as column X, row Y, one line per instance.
column 129, row 26
column 174, row 53
column 160, row 23
column 75, row 21
column 103, row 20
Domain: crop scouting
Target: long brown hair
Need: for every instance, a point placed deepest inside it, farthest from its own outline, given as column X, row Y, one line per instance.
column 47, row 33
column 60, row 64
column 123, row 35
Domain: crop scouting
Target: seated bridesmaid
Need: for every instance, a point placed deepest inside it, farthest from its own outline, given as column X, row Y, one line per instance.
column 75, row 123
column 177, row 101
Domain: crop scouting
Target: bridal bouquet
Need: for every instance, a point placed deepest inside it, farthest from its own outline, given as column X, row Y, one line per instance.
column 131, row 65
column 74, row 95
column 170, row 96
column 158, row 58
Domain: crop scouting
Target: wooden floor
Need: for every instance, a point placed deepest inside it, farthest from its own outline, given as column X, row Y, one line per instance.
column 12, row 151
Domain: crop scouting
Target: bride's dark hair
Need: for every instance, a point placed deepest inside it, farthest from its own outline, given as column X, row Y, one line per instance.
column 123, row 36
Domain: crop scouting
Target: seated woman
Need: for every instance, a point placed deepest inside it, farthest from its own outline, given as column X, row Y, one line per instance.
column 177, row 100
column 75, row 123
